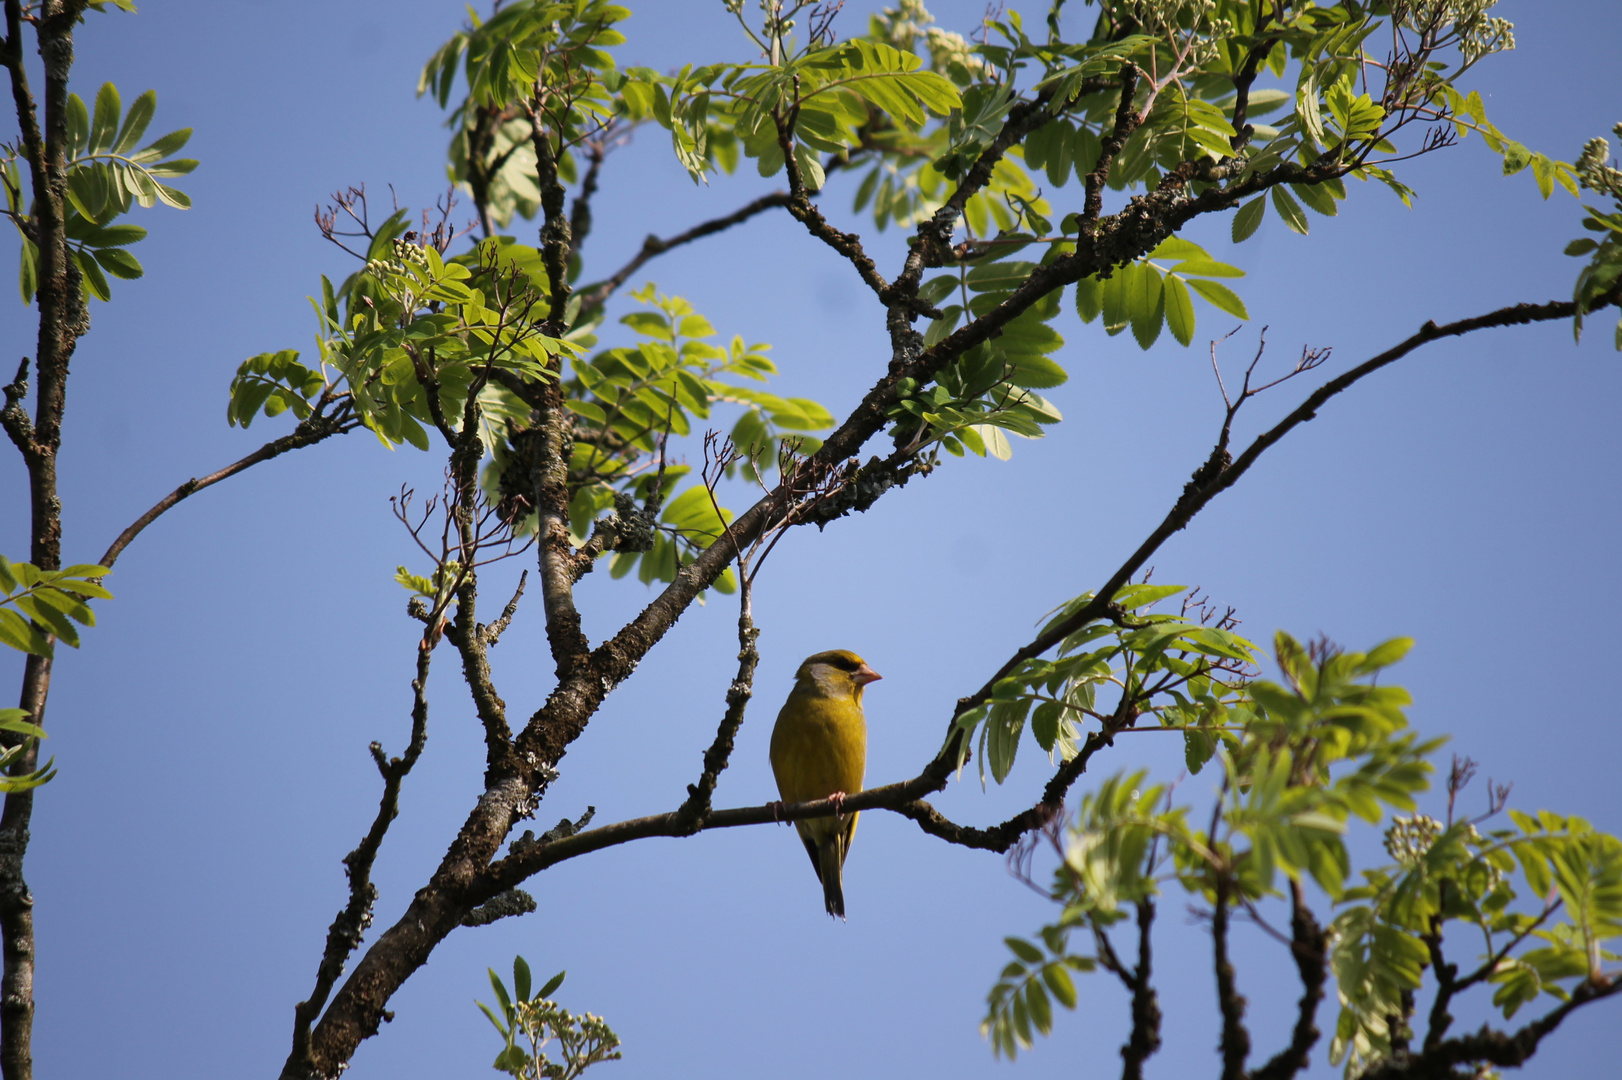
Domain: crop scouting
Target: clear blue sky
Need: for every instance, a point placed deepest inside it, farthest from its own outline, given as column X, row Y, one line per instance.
column 212, row 733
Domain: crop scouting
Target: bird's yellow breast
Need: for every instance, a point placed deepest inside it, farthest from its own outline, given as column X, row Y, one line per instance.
column 819, row 746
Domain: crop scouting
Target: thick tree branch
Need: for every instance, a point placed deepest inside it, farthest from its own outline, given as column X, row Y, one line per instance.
column 16, row 901
column 1309, row 946
column 1487, row 1046
column 1235, row 1039
column 555, row 236
column 63, row 319
column 527, row 860
column 1145, row 1037
column 550, row 442
column 465, row 632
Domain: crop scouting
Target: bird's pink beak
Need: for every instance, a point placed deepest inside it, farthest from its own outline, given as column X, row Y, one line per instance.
column 865, row 675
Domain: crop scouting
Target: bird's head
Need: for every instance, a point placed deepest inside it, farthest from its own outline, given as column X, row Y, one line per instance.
column 835, row 673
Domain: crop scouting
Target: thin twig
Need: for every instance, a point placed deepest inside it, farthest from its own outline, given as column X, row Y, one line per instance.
column 697, row 807
column 347, row 930
column 593, row 296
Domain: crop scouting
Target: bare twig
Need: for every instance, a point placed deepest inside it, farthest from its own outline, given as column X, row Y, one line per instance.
column 697, row 807
column 593, row 296
column 492, row 633
column 13, row 417
column 347, row 930
column 307, row 433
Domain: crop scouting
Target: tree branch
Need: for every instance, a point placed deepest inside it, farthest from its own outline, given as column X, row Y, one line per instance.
column 16, row 901
column 1491, row 1047
column 1247, row 75
column 491, row 634
column 465, row 632
column 14, row 418
column 1145, row 1038
column 1216, row 475
column 63, row 319
column 697, row 806
column 1001, row 837
column 528, row 860
column 1235, row 1039
column 580, row 214
column 1309, row 946
column 593, row 296
column 935, row 237
column 467, row 877
column 346, row 931
column 805, row 212
column 1126, row 122
column 307, row 433
column 550, row 442
column 555, row 238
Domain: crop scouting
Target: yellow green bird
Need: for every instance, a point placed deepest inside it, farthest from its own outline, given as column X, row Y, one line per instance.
column 819, row 750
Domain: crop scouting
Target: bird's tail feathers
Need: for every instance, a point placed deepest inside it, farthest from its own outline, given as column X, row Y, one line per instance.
column 830, row 863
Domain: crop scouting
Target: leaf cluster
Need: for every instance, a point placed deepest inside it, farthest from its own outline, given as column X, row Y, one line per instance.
column 108, row 171
column 534, row 1019
column 38, row 605
column 530, row 60
column 16, row 722
column 1301, row 759
column 991, row 388
column 411, row 338
column 1604, row 268
column 630, row 400
column 1188, row 674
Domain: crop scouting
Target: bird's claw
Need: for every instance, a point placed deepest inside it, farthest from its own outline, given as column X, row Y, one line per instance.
column 838, row 799
column 776, row 808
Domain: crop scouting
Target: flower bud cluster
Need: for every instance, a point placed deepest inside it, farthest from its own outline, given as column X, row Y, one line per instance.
column 1594, row 170
column 1409, row 838
column 406, row 254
